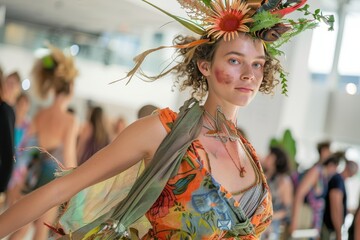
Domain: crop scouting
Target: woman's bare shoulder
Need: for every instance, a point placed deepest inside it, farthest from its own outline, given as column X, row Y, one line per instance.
column 285, row 181
column 73, row 119
column 143, row 135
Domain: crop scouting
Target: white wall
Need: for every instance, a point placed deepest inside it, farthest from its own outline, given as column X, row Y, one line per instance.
column 93, row 83
column 343, row 117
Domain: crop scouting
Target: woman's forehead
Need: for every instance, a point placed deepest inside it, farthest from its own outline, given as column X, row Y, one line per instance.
column 242, row 44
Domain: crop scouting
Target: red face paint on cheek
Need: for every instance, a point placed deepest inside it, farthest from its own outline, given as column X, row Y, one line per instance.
column 222, row 77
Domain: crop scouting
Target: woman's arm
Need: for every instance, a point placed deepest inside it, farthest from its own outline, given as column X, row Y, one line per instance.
column 356, row 225
column 337, row 210
column 286, row 196
column 304, row 187
column 139, row 140
column 70, row 159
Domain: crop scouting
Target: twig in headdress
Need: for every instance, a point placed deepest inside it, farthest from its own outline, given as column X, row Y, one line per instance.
column 139, row 59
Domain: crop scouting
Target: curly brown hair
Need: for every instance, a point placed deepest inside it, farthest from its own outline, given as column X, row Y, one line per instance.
column 190, row 76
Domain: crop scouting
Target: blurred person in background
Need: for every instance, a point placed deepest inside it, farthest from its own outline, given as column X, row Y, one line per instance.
column 22, row 107
column 313, row 204
column 146, row 110
column 316, row 181
column 277, row 172
column 118, row 126
column 336, row 203
column 10, row 88
column 324, row 150
column 22, row 124
column 54, row 128
column 93, row 135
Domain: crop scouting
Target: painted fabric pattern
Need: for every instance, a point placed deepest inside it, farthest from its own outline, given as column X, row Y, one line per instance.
column 194, row 206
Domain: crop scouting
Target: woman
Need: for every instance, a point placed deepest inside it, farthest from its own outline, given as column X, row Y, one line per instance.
column 22, row 124
column 277, row 172
column 54, row 128
column 117, row 126
column 202, row 180
column 315, row 181
column 10, row 88
column 93, row 136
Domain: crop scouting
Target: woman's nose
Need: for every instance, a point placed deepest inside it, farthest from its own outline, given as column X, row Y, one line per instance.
column 247, row 72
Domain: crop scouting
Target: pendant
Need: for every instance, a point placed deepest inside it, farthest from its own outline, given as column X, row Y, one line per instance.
column 242, row 172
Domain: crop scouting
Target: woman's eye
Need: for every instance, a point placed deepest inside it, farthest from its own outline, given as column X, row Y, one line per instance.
column 258, row 65
column 234, row 61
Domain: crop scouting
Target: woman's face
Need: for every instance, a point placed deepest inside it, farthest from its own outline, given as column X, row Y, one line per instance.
column 13, row 87
column 268, row 163
column 237, row 70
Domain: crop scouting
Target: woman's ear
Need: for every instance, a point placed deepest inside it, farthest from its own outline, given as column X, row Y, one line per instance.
column 204, row 67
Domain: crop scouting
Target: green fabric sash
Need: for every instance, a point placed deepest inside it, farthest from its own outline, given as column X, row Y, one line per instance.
column 151, row 182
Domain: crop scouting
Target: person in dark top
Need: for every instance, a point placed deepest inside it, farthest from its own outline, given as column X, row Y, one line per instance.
column 7, row 123
column 9, row 90
column 335, row 202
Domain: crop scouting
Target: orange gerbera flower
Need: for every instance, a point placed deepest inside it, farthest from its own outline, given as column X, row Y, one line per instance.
column 229, row 19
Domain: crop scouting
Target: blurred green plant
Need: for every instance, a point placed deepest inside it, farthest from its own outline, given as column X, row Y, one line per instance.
column 288, row 144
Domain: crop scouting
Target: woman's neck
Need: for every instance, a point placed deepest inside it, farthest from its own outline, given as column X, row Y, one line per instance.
column 20, row 118
column 229, row 111
column 269, row 173
column 61, row 103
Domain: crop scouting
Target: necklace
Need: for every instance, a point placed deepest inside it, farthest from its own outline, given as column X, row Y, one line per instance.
column 223, row 131
column 240, row 168
column 257, row 175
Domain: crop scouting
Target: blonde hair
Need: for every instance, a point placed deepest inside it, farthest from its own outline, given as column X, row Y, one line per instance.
column 54, row 72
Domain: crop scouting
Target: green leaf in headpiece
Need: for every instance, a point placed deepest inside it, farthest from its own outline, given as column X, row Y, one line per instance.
column 207, row 2
column 297, row 27
column 318, row 16
column 48, row 62
column 185, row 22
column 264, row 20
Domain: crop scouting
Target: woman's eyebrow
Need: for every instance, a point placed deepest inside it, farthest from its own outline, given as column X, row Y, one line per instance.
column 243, row 55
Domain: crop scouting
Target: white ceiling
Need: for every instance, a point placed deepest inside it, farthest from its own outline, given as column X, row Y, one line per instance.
column 97, row 16
column 93, row 16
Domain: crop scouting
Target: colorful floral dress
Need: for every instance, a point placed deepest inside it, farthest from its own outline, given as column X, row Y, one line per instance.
column 178, row 196
column 194, row 206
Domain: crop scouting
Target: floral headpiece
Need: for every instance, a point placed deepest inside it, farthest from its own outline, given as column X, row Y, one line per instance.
column 263, row 19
